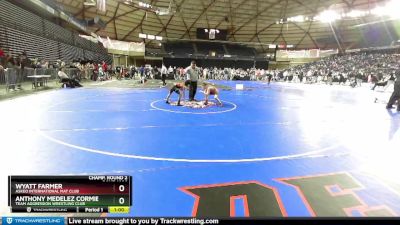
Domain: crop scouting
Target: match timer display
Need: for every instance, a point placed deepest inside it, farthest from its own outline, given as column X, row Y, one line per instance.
column 86, row 194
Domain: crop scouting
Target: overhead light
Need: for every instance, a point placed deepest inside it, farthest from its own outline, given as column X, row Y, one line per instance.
column 328, row 16
column 378, row 11
column 162, row 11
column 89, row 3
column 272, row 46
column 355, row 14
column 390, row 9
column 296, row 19
column 145, row 5
column 150, row 37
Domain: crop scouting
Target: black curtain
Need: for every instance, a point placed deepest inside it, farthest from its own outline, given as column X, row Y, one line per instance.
column 219, row 63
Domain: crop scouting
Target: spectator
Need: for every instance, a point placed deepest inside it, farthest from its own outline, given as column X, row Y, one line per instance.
column 141, row 72
column 66, row 80
column 2, row 57
column 164, row 72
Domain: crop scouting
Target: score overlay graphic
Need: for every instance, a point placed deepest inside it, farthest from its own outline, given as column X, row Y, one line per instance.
column 88, row 194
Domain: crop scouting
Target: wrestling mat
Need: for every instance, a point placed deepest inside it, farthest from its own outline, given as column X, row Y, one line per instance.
column 278, row 150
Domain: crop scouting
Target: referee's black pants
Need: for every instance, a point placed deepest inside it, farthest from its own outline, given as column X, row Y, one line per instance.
column 192, row 90
column 163, row 77
column 395, row 96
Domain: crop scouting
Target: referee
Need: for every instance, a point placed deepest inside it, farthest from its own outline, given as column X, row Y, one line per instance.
column 192, row 75
column 396, row 93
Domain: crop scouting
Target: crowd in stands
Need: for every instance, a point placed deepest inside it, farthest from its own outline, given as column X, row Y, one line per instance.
column 212, row 73
column 347, row 69
column 7, row 60
column 352, row 69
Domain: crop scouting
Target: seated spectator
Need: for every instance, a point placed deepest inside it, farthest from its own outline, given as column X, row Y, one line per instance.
column 101, row 75
column 72, row 83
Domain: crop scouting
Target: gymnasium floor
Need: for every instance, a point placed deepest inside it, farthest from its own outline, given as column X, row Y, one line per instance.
column 279, row 150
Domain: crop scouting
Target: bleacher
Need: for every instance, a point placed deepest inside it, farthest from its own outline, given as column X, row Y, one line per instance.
column 240, row 50
column 12, row 14
column 22, row 30
column 179, row 49
column 36, row 46
column 155, row 52
column 205, row 48
column 239, row 57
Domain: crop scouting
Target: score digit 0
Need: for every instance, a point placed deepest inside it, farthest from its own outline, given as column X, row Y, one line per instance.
column 121, row 201
column 121, row 188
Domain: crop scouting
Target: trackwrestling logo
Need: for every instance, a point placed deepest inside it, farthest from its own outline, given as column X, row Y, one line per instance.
column 33, row 220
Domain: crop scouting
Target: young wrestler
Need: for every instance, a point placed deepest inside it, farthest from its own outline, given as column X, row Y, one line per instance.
column 209, row 89
column 178, row 88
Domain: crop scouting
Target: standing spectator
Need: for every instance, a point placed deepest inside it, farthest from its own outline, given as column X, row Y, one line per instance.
column 95, row 71
column 1, row 71
column 105, row 67
column 170, row 71
column 141, row 72
column 155, row 72
column 329, row 78
column 23, row 62
column 9, row 60
column 174, row 73
column 118, row 72
column 164, row 72
column 205, row 74
column 132, row 72
column 269, row 77
column 2, row 57
column 182, row 73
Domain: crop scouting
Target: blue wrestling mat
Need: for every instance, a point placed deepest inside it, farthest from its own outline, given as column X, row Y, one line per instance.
column 279, row 150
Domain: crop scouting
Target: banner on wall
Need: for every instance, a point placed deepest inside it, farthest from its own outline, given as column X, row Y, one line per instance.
column 302, row 54
column 135, row 47
column 114, row 45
